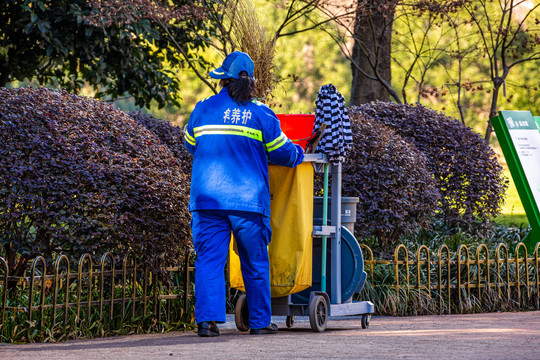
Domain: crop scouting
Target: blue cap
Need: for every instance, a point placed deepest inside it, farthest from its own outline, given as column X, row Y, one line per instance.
column 233, row 65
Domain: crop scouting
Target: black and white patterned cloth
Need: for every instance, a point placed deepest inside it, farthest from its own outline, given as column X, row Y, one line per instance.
column 337, row 137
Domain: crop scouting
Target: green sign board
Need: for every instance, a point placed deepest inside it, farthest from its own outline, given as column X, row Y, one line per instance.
column 518, row 133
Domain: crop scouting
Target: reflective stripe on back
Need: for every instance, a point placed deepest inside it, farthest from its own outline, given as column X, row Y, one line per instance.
column 228, row 130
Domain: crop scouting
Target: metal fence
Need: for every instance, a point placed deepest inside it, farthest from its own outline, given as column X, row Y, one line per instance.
column 454, row 278
column 115, row 288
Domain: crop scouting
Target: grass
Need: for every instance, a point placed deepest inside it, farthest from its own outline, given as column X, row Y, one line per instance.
column 513, row 219
column 512, row 212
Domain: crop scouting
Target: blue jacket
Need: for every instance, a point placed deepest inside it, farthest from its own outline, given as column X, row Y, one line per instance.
column 231, row 146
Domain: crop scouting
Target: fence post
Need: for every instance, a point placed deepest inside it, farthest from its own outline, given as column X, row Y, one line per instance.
column 371, row 265
column 124, row 275
column 55, row 289
column 439, row 261
column 134, row 297
column 145, row 290
column 79, row 285
column 41, row 260
column 187, row 279
column 428, row 263
column 124, row 282
column 396, row 265
column 459, row 263
column 507, row 262
column 518, row 277
column 103, row 260
column 157, row 309
column 479, row 276
column 4, row 290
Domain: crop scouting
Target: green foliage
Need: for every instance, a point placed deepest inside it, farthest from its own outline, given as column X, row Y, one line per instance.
column 78, row 176
column 445, row 59
column 304, row 62
column 439, row 233
column 56, row 43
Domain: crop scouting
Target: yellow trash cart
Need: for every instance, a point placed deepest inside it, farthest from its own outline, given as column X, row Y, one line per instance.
column 315, row 267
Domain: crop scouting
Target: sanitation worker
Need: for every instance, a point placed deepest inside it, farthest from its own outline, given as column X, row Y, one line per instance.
column 232, row 137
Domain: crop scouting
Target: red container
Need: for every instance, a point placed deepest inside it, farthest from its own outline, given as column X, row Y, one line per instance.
column 297, row 127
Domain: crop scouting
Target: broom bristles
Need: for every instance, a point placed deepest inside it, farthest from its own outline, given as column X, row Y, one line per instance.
column 251, row 37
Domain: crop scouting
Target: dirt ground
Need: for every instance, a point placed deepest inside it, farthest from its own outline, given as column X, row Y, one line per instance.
column 477, row 336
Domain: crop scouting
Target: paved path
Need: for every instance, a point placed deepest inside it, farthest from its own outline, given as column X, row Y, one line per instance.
column 478, row 336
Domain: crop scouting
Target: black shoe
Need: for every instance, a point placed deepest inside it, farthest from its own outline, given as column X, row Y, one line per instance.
column 270, row 329
column 207, row 329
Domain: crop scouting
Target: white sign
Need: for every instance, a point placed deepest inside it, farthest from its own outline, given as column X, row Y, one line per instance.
column 526, row 138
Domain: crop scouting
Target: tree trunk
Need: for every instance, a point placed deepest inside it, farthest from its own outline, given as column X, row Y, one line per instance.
column 493, row 109
column 10, row 258
column 371, row 52
column 16, row 266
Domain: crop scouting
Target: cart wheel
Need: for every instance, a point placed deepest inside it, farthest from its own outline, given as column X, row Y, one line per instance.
column 365, row 321
column 241, row 313
column 318, row 313
column 290, row 321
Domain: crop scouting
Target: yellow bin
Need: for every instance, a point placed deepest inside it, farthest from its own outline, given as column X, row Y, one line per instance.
column 290, row 251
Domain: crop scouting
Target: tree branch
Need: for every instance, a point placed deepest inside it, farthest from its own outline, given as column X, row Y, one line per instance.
column 187, row 58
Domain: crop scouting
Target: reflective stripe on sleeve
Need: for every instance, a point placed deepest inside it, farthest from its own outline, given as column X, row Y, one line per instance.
column 189, row 138
column 228, row 130
column 277, row 143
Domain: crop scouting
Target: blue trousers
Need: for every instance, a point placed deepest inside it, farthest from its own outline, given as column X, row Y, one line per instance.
column 211, row 237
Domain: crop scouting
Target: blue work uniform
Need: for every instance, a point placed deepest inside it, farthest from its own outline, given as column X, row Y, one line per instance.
column 232, row 144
